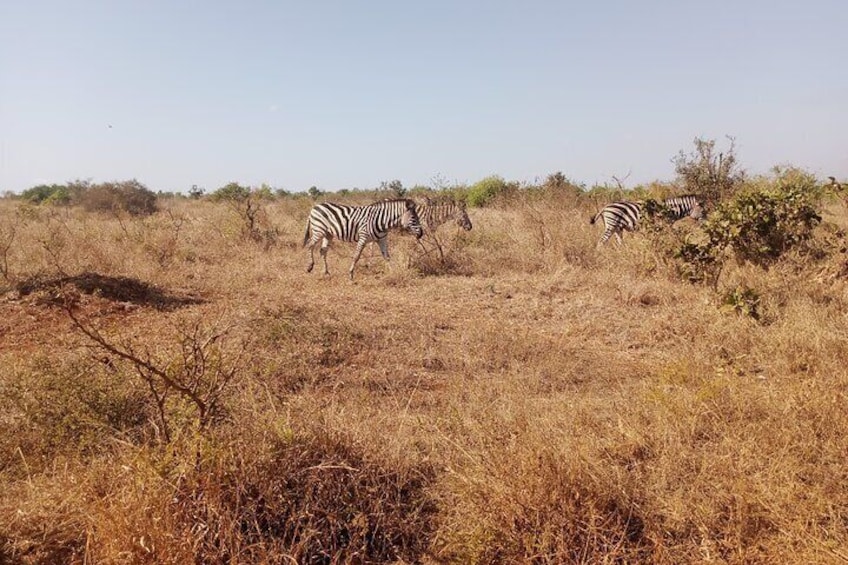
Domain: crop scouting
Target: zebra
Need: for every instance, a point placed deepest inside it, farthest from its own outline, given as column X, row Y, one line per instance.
column 359, row 224
column 434, row 213
column 625, row 214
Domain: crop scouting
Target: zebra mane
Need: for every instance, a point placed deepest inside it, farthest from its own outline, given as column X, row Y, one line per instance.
column 441, row 200
column 407, row 201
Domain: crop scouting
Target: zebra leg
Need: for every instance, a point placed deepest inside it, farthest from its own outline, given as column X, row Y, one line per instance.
column 325, row 244
column 618, row 237
column 359, row 247
column 311, row 264
column 384, row 247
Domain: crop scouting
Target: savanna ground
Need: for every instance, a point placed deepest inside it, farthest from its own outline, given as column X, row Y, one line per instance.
column 534, row 399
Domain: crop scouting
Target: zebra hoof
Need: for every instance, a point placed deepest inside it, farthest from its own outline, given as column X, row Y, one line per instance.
column 309, row 268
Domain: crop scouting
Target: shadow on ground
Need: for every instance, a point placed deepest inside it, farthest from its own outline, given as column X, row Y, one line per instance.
column 116, row 289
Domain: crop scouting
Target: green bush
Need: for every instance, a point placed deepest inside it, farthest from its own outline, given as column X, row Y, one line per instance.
column 47, row 194
column 483, row 192
column 232, row 192
column 758, row 225
column 762, row 225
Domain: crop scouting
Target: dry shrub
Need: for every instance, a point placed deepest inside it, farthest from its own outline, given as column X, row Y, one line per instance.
column 54, row 408
column 131, row 197
column 305, row 498
column 538, row 505
column 316, row 499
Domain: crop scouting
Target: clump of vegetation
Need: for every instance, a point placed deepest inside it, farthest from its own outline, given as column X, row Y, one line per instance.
column 316, row 498
column 485, row 191
column 130, row 196
column 714, row 177
column 47, row 194
column 247, row 204
column 743, row 300
column 758, row 225
column 394, row 189
column 231, row 192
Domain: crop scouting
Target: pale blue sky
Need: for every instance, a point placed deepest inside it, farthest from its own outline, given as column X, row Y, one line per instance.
column 348, row 94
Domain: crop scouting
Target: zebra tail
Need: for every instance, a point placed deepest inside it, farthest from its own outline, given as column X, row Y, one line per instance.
column 308, row 233
column 594, row 218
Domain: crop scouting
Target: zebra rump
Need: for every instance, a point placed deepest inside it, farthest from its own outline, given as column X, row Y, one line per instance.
column 625, row 214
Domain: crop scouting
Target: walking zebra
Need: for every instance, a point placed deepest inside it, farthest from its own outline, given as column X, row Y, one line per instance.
column 625, row 214
column 434, row 213
column 359, row 224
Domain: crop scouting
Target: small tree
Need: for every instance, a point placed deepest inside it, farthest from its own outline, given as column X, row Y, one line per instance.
column 197, row 370
column 702, row 172
column 394, row 187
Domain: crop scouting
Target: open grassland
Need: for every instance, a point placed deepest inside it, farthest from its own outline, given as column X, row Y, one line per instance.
column 531, row 399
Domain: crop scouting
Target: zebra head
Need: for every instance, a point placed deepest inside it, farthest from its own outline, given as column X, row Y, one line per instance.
column 410, row 221
column 698, row 211
column 461, row 215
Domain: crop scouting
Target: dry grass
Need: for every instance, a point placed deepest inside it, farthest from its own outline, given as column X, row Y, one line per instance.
column 532, row 399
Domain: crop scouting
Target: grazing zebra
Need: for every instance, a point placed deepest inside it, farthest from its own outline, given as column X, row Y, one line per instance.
column 625, row 214
column 433, row 213
column 359, row 224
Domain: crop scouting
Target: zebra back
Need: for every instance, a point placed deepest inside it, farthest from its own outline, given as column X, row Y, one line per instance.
column 353, row 223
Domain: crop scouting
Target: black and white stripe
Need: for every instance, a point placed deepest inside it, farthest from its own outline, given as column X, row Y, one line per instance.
column 625, row 214
column 434, row 213
column 359, row 224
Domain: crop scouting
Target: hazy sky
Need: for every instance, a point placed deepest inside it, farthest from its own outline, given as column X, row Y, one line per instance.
column 348, row 94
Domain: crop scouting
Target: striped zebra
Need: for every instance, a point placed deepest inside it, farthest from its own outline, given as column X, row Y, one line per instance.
column 434, row 213
column 625, row 214
column 359, row 224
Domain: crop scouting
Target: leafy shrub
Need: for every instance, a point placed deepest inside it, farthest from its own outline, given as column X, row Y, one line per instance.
column 232, row 192
column 743, row 300
column 697, row 263
column 48, row 194
column 484, row 191
column 761, row 226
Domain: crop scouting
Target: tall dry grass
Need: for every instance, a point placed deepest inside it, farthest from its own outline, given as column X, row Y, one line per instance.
column 533, row 399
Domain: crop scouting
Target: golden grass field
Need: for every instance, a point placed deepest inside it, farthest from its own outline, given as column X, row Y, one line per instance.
column 536, row 400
